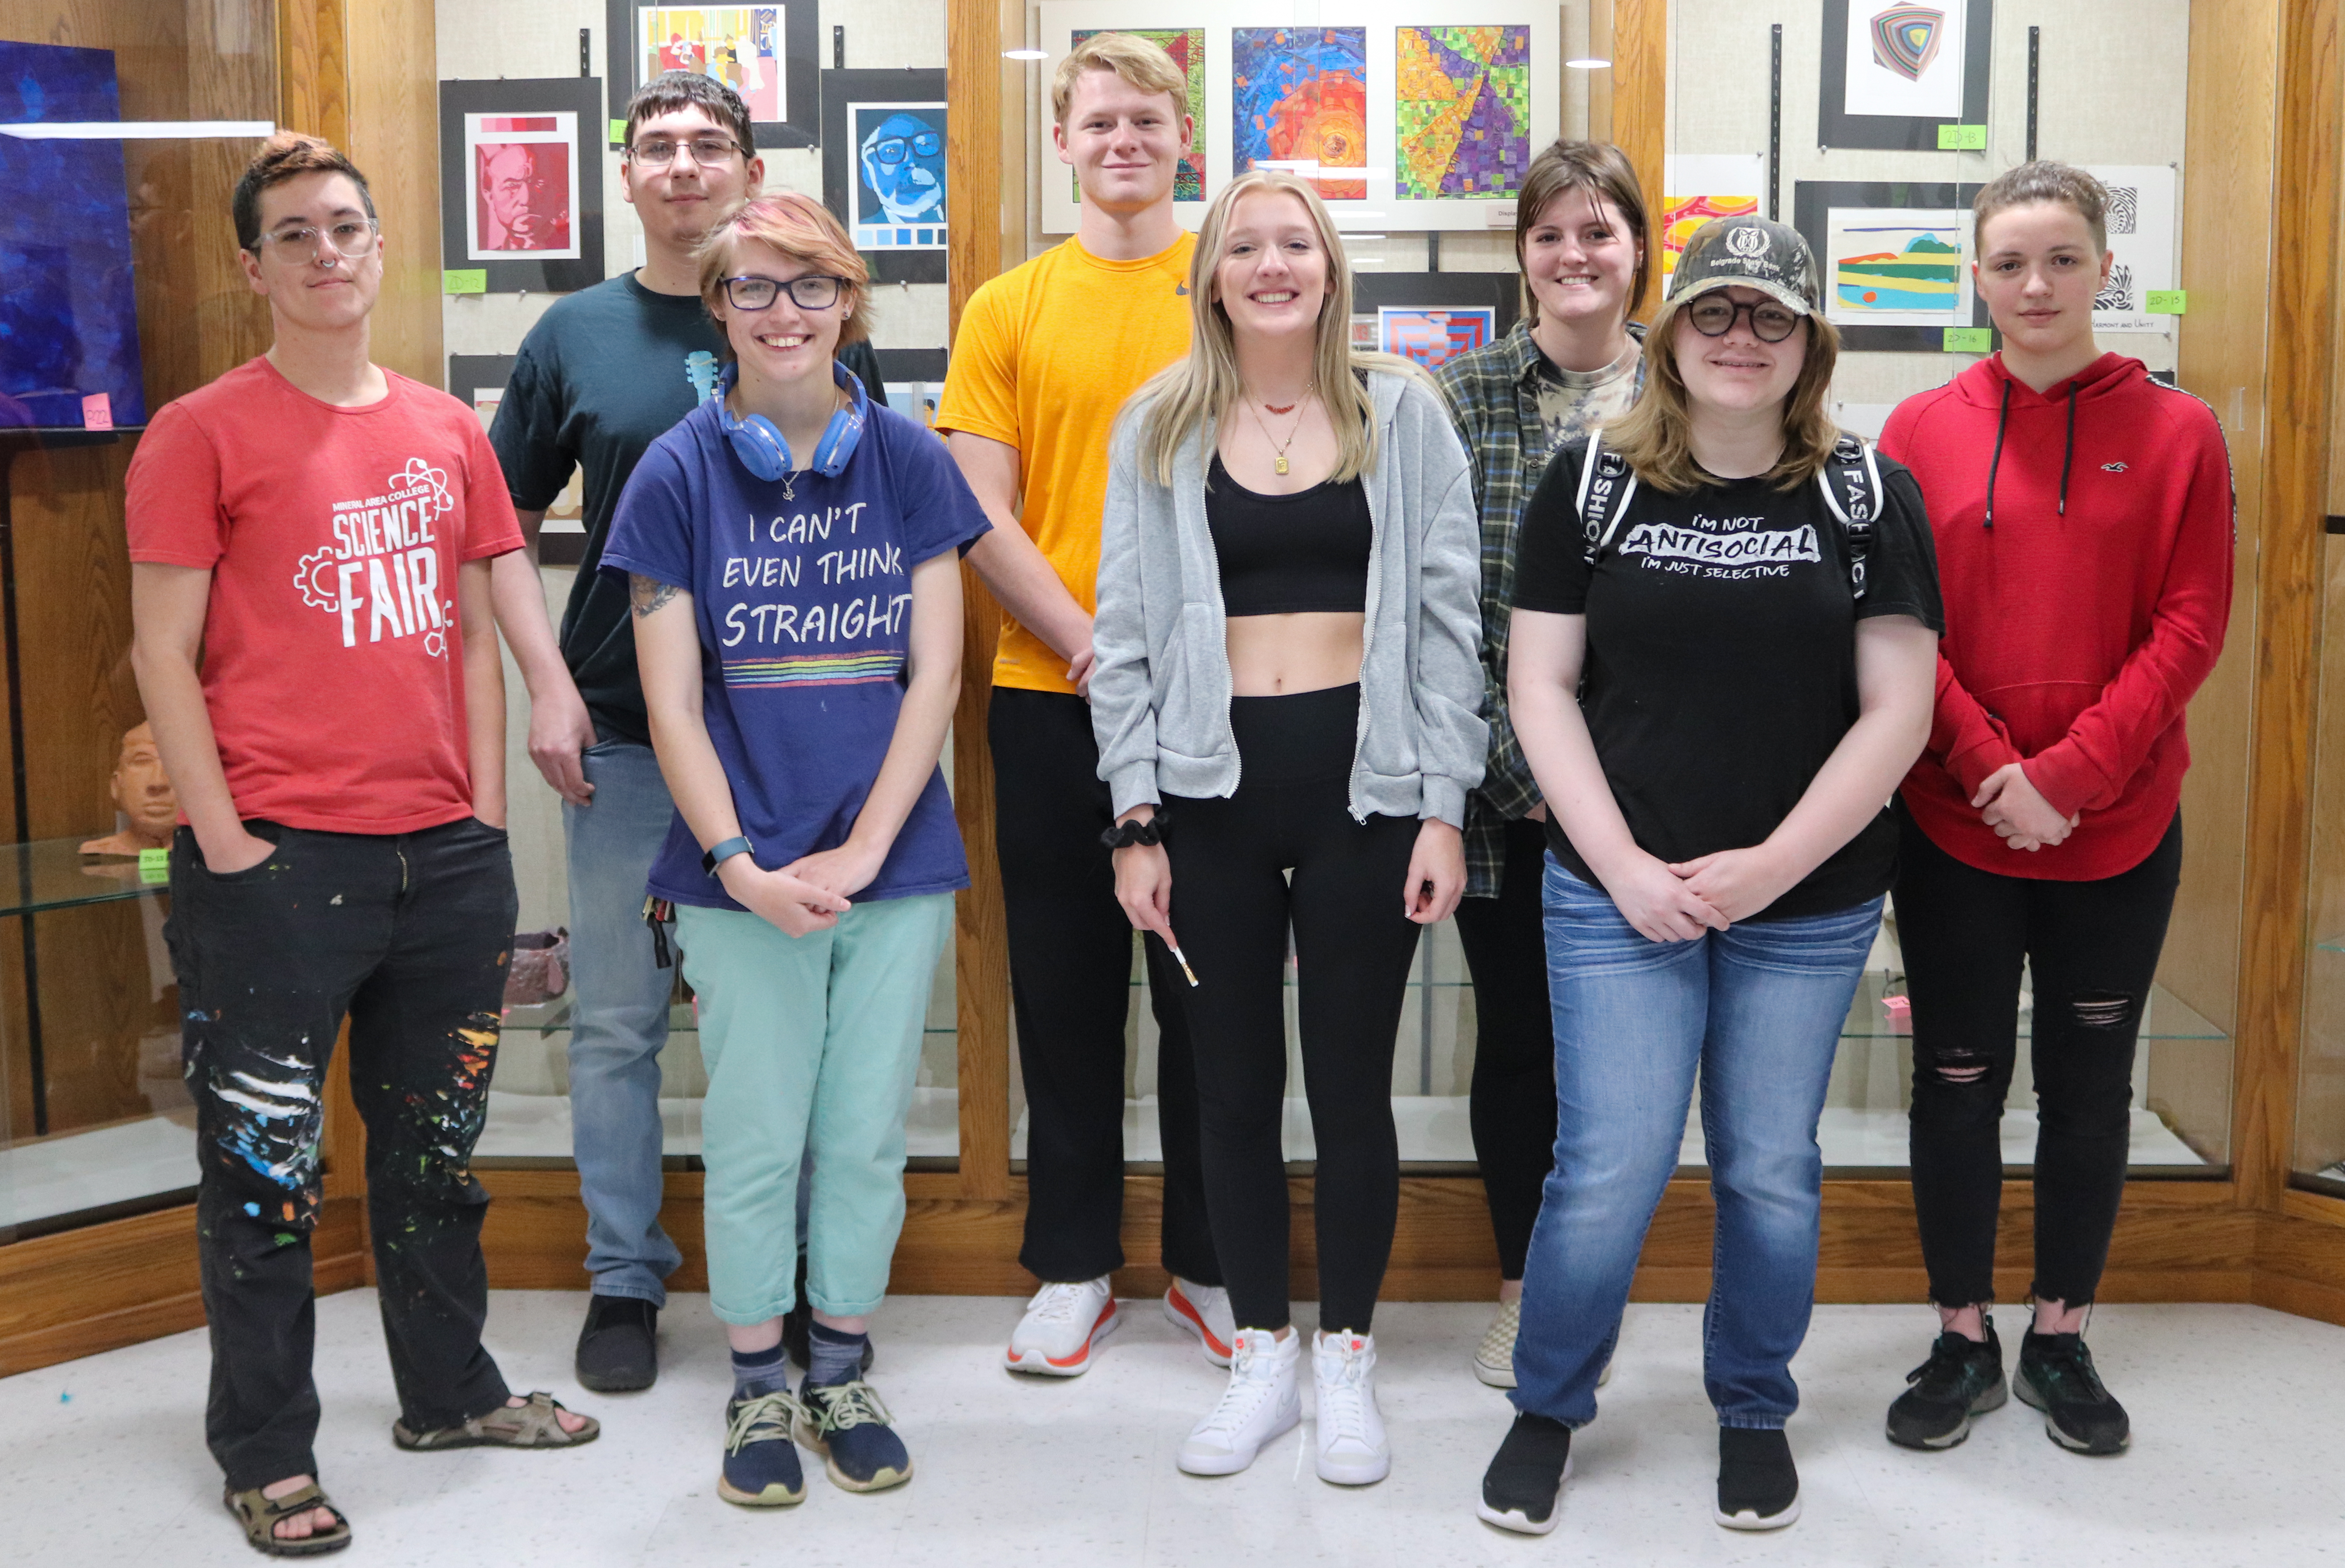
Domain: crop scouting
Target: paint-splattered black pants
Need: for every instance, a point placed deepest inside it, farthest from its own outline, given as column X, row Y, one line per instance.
column 2092, row 949
column 408, row 934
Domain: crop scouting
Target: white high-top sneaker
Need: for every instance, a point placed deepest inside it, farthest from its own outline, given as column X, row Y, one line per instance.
column 1352, row 1447
column 1264, row 1398
column 1062, row 1325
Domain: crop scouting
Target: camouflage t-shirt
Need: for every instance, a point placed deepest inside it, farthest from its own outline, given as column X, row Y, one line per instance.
column 1573, row 402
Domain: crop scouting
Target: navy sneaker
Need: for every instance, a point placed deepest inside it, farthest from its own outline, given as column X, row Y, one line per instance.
column 1963, row 1378
column 2057, row 1377
column 846, row 1424
column 761, row 1462
column 1758, row 1484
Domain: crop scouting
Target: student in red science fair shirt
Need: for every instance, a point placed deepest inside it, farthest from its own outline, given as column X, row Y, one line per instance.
column 2083, row 516
column 311, row 540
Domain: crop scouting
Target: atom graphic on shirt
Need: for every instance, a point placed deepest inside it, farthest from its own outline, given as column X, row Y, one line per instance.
column 419, row 475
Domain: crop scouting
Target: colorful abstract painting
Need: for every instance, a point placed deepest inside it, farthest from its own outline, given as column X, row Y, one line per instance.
column 1896, row 269
column 740, row 46
column 1300, row 95
column 1434, row 337
column 1905, row 39
column 1462, row 111
column 1682, row 215
column 1187, row 47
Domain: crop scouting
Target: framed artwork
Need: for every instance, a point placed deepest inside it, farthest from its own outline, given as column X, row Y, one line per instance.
column 2141, row 230
column 68, row 306
column 1405, row 116
column 883, row 168
column 1894, row 257
column 520, row 182
column 767, row 53
column 1433, row 336
column 478, row 381
column 1492, row 297
column 1699, row 188
column 1894, row 72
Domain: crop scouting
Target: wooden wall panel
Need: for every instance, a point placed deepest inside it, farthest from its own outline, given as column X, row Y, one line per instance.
column 1638, row 85
column 395, row 136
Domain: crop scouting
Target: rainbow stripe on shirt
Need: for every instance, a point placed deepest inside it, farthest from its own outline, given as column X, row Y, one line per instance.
column 814, row 670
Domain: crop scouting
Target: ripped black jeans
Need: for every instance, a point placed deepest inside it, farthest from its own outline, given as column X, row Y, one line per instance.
column 2092, row 948
column 410, row 934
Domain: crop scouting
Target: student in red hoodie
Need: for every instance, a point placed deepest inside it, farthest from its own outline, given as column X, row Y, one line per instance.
column 2083, row 516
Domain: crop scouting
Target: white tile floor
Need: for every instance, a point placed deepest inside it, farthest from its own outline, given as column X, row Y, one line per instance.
column 2234, row 1462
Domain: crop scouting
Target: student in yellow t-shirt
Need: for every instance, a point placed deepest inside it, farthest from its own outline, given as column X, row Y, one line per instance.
column 1047, row 354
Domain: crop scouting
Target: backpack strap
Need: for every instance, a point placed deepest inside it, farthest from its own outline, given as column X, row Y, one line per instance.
column 1851, row 480
column 1605, row 483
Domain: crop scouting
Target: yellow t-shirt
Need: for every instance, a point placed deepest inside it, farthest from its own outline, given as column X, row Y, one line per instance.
column 1048, row 352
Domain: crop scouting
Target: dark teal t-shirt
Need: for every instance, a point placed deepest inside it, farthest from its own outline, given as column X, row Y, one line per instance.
column 604, row 374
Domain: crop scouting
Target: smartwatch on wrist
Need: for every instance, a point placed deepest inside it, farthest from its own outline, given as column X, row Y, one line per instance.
column 719, row 853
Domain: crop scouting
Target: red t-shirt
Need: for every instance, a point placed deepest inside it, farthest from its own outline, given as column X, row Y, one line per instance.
column 333, row 664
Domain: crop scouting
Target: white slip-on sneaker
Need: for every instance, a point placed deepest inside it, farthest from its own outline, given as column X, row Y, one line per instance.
column 1263, row 1399
column 1204, row 1311
column 1494, row 1359
column 1062, row 1325
column 1352, row 1447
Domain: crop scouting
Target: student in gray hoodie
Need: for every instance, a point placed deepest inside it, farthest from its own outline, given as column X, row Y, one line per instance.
column 1288, row 681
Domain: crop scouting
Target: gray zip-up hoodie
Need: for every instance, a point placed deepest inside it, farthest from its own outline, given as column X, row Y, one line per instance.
column 1161, row 688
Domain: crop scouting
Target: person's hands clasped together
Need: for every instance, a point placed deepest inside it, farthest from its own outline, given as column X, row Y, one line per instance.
column 2009, row 803
column 1659, row 904
column 1737, row 884
column 790, row 902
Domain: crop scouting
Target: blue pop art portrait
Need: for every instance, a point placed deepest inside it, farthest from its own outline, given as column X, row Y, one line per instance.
column 899, row 176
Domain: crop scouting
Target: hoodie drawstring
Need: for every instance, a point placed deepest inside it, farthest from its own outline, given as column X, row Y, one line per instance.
column 1995, row 464
column 2069, row 455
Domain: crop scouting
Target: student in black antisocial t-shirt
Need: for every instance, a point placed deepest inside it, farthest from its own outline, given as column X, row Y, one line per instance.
column 1748, row 622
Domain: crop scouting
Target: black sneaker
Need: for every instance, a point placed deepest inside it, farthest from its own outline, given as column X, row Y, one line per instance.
column 1963, row 1378
column 1525, row 1478
column 618, row 1349
column 761, row 1463
column 1758, row 1484
column 2056, row 1376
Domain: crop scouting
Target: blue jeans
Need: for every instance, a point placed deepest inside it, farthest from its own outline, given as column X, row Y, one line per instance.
column 618, row 1020
column 1758, row 1010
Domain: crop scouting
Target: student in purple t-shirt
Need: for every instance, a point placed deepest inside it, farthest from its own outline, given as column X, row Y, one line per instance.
column 790, row 549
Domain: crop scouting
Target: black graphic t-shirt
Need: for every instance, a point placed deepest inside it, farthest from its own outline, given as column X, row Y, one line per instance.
column 604, row 374
column 1720, row 670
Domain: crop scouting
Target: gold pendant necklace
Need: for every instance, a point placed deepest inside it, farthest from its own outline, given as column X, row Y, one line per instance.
column 1278, row 459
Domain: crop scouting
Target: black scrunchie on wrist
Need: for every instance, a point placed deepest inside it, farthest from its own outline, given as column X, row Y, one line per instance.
column 1124, row 835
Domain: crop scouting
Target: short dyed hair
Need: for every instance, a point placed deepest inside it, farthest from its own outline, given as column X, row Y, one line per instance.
column 803, row 229
column 673, row 90
column 1140, row 63
column 1602, row 172
column 2043, row 179
column 286, row 156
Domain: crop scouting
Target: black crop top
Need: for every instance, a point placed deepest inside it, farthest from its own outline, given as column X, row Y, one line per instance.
column 1286, row 554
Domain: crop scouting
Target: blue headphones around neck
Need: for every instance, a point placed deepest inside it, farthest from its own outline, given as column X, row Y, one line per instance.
column 760, row 445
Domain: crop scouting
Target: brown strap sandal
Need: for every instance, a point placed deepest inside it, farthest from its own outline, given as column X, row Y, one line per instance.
column 531, row 1424
column 259, row 1515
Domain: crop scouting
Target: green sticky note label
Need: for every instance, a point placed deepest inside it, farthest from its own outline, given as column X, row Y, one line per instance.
column 1962, row 138
column 464, row 280
column 154, row 865
column 619, row 132
column 2167, row 301
column 1970, row 340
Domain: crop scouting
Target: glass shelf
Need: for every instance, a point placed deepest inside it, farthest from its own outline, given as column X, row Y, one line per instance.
column 53, row 873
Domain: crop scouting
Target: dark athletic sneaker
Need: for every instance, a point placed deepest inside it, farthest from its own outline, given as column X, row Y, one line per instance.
column 846, row 1424
column 618, row 1349
column 761, row 1462
column 1520, row 1489
column 1758, row 1485
column 2056, row 1376
column 1962, row 1379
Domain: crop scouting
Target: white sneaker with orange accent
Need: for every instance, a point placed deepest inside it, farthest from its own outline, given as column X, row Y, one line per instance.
column 1204, row 1311
column 1062, row 1326
column 1353, row 1451
column 1262, row 1400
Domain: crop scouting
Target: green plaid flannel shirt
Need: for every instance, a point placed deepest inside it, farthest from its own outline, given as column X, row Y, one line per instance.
column 1493, row 395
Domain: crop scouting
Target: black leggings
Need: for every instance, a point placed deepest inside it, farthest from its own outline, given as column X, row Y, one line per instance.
column 2092, row 948
column 1232, row 902
column 1512, row 1111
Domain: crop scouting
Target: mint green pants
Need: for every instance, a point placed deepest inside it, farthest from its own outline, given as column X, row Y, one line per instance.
column 812, row 1044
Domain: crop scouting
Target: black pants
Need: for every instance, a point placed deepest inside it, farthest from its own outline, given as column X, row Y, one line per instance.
column 1070, row 982
column 1231, row 903
column 408, row 934
column 2092, row 949
column 1512, row 1104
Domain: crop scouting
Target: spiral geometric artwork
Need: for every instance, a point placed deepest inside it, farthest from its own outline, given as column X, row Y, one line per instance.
column 1462, row 111
column 1300, row 94
column 1905, row 39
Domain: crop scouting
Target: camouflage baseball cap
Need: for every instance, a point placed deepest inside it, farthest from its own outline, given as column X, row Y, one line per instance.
column 1771, row 258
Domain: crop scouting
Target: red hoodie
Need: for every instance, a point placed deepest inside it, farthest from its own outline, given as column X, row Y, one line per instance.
column 2084, row 542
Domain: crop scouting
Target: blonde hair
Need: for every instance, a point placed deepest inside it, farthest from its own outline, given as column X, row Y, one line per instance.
column 2044, row 179
column 1193, row 392
column 803, row 229
column 1653, row 435
column 1140, row 63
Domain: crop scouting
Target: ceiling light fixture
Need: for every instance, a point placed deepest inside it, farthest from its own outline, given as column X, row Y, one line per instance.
column 1588, row 64
column 1025, row 54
